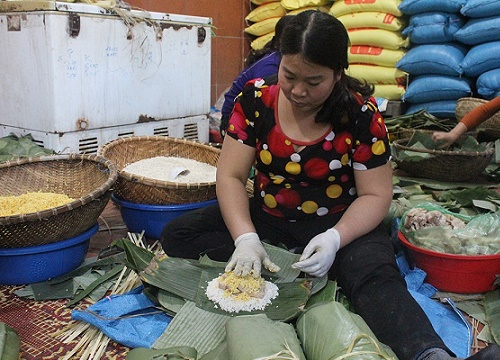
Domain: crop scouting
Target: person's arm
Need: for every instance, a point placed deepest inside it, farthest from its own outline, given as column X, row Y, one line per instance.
column 233, row 167
column 471, row 120
column 375, row 191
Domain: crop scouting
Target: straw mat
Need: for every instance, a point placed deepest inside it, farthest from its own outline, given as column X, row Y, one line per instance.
column 36, row 321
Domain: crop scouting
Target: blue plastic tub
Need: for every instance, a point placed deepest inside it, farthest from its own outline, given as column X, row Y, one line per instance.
column 152, row 218
column 33, row 264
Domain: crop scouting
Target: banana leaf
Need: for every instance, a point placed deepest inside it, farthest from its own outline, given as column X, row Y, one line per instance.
column 492, row 311
column 292, row 297
column 171, row 303
column 186, row 279
column 194, row 327
column 328, row 331
column 15, row 147
column 138, row 258
column 173, row 353
column 418, row 120
column 257, row 337
column 219, row 353
column 10, row 343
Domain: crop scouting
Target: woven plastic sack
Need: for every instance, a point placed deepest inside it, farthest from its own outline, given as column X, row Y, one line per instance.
column 261, row 41
column 481, row 58
column 431, row 28
column 341, row 7
column 426, row 88
column 488, row 84
column 371, row 19
column 411, row 7
column 386, row 39
column 266, row 11
column 389, row 92
column 299, row 4
column 440, row 59
column 479, row 31
column 441, row 109
column 374, row 55
column 262, row 27
column 480, row 8
column 377, row 74
column 324, row 9
column 262, row 2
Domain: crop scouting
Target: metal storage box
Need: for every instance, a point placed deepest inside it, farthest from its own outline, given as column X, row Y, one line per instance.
column 72, row 71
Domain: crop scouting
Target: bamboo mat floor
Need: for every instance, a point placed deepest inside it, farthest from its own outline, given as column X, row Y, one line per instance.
column 37, row 321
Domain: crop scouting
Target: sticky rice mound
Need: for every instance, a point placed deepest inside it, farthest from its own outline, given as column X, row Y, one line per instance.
column 234, row 293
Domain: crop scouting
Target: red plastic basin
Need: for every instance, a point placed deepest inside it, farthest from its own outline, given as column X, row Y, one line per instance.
column 464, row 274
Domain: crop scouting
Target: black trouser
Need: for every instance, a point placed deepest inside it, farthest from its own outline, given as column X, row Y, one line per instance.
column 366, row 270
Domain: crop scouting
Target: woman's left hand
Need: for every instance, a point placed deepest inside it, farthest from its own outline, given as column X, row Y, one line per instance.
column 319, row 254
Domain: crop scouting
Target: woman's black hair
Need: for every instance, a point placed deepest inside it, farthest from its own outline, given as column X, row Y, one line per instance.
column 271, row 45
column 322, row 39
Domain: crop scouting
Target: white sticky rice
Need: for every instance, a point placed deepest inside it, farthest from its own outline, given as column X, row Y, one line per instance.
column 227, row 303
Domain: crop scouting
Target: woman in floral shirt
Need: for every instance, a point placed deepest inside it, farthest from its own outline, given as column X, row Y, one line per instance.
column 323, row 186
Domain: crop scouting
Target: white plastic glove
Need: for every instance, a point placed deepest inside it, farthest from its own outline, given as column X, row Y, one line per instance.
column 249, row 255
column 319, row 254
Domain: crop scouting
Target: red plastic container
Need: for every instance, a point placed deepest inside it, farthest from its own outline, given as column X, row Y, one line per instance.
column 464, row 274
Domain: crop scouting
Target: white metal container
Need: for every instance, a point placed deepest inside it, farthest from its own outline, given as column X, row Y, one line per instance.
column 74, row 67
column 89, row 141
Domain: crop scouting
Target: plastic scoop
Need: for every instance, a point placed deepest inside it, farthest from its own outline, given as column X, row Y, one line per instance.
column 176, row 171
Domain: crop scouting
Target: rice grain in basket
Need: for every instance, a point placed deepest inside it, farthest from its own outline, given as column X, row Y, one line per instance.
column 169, row 168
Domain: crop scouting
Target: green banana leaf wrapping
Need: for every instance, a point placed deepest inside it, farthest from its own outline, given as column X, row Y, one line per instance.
column 10, row 343
column 492, row 311
column 257, row 337
column 328, row 331
column 173, row 353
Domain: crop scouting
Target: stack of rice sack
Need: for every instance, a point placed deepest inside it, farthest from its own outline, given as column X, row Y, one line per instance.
column 294, row 7
column 481, row 33
column 266, row 13
column 262, row 21
column 434, row 58
column 377, row 43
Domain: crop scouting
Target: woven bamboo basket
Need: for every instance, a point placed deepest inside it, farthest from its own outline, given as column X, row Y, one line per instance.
column 467, row 104
column 142, row 190
column 85, row 178
column 406, row 133
column 443, row 165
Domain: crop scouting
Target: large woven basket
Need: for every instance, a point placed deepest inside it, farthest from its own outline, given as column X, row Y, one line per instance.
column 142, row 190
column 85, row 178
column 467, row 104
column 407, row 133
column 443, row 165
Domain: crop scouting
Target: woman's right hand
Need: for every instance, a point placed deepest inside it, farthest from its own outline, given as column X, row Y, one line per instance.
column 249, row 256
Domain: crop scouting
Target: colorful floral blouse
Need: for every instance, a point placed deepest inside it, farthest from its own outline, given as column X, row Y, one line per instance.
column 319, row 179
